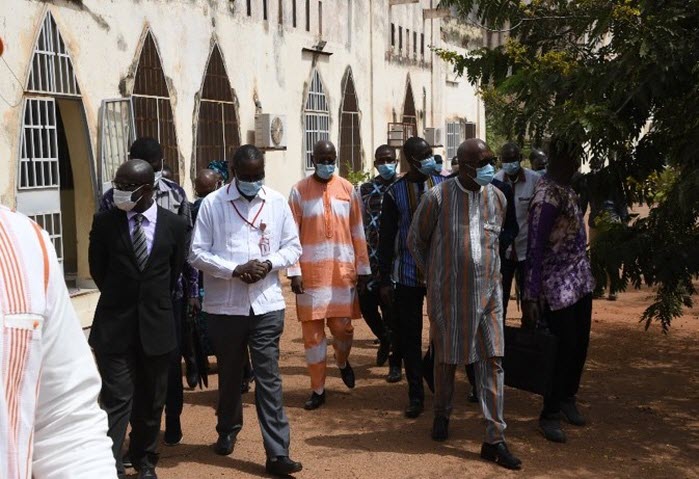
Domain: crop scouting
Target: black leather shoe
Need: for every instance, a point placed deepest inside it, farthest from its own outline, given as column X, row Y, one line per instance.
column 282, row 466
column 315, row 401
column 440, row 429
column 571, row 413
column 500, row 455
column 473, row 396
column 173, row 432
column 550, row 427
column 347, row 374
column 414, row 409
column 147, row 473
column 382, row 353
column 225, row 444
column 245, row 386
column 191, row 374
column 394, row 374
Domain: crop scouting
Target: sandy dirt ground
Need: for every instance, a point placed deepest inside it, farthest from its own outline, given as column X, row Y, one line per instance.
column 640, row 393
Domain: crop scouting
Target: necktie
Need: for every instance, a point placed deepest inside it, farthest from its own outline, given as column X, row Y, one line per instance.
column 140, row 247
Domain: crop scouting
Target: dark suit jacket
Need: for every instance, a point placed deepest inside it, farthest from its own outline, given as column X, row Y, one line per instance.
column 135, row 308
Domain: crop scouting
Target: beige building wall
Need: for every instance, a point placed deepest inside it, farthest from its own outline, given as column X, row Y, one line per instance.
column 265, row 62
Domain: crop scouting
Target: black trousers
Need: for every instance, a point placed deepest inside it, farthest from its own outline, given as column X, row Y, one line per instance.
column 572, row 328
column 381, row 319
column 175, row 390
column 134, row 386
column 510, row 270
column 408, row 306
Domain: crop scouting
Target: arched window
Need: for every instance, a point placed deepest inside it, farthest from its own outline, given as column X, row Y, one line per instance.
column 151, row 104
column 316, row 117
column 350, row 158
column 217, row 125
column 55, row 179
column 409, row 118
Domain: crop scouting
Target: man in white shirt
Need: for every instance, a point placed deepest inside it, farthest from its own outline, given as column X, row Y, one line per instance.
column 522, row 180
column 52, row 426
column 244, row 234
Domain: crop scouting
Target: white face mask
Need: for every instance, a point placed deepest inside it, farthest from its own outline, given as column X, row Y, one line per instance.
column 122, row 199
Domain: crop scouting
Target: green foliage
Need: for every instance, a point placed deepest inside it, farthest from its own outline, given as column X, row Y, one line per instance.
column 622, row 78
column 356, row 177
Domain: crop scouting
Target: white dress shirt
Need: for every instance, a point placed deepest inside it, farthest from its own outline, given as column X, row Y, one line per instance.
column 52, row 426
column 226, row 237
column 523, row 189
column 150, row 218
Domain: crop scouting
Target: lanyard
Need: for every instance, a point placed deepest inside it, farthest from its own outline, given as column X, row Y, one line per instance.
column 251, row 223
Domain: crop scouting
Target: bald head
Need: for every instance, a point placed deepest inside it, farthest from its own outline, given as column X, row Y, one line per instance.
column 136, row 172
column 136, row 176
column 538, row 159
column 510, row 152
column 207, row 181
column 324, row 153
column 470, row 151
column 323, row 148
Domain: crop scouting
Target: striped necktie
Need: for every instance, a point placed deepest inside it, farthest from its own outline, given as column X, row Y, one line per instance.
column 140, row 246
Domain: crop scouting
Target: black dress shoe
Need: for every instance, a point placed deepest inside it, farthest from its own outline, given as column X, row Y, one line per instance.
column 173, row 432
column 440, row 429
column 571, row 413
column 383, row 353
column 225, row 444
column 147, row 473
column 315, row 401
column 550, row 427
column 500, row 455
column 191, row 374
column 414, row 409
column 282, row 466
column 394, row 374
column 347, row 374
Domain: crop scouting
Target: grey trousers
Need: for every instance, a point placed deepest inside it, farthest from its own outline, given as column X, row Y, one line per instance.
column 230, row 336
column 490, row 378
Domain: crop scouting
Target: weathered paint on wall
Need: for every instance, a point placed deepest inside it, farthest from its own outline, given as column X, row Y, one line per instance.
column 264, row 61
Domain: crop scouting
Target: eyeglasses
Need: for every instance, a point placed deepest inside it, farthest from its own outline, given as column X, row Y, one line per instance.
column 127, row 186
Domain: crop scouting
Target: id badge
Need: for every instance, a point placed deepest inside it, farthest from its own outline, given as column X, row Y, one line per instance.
column 264, row 240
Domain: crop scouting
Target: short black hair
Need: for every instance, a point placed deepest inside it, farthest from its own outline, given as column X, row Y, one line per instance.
column 245, row 153
column 147, row 149
column 412, row 144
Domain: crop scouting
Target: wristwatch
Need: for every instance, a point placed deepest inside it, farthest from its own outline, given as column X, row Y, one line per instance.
column 269, row 264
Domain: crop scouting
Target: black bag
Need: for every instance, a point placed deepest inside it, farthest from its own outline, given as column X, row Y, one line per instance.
column 530, row 358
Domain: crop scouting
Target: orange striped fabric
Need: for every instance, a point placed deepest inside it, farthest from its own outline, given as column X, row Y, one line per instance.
column 329, row 218
column 22, row 306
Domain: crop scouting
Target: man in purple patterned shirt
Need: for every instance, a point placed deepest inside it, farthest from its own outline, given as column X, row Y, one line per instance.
column 559, row 284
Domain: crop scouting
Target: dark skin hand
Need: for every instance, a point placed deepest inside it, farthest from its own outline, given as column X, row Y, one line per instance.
column 297, row 285
column 386, row 293
column 531, row 314
column 252, row 271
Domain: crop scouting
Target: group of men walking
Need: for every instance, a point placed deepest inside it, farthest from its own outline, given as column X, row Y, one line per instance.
column 376, row 251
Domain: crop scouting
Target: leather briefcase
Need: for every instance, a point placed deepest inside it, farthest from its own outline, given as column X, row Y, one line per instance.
column 530, row 358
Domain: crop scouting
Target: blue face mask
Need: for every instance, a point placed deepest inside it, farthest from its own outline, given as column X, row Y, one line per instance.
column 428, row 166
column 325, row 171
column 511, row 168
column 387, row 170
column 438, row 167
column 484, row 175
column 249, row 188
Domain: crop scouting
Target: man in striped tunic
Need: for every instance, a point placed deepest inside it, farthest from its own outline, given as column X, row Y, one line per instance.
column 334, row 265
column 454, row 239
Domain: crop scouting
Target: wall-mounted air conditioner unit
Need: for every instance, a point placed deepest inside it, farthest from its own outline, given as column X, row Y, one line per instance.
column 433, row 136
column 270, row 131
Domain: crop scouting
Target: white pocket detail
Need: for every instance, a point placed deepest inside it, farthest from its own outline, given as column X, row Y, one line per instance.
column 27, row 321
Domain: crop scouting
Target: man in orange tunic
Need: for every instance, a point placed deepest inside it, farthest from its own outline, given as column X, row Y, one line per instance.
column 333, row 266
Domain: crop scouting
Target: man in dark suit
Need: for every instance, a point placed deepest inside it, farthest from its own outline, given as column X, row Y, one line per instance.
column 136, row 254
